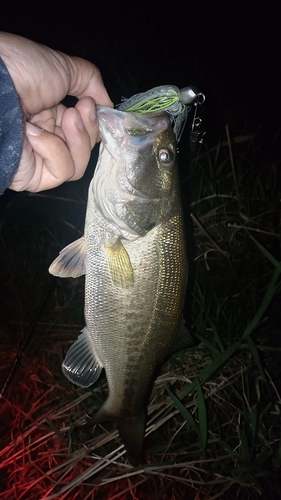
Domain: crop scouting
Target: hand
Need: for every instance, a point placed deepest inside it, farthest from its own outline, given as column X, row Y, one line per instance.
column 58, row 140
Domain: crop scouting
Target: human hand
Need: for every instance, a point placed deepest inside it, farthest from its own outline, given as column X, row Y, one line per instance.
column 58, row 140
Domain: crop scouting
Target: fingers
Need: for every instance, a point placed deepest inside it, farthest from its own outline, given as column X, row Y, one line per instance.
column 84, row 117
column 45, row 163
column 48, row 160
column 87, row 109
column 81, row 131
column 60, row 153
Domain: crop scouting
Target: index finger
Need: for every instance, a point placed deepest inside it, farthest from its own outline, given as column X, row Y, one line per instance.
column 86, row 81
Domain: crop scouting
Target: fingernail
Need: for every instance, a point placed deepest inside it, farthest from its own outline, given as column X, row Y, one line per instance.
column 79, row 124
column 93, row 114
column 33, row 129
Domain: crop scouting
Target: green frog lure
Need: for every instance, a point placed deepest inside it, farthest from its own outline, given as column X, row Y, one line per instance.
column 174, row 101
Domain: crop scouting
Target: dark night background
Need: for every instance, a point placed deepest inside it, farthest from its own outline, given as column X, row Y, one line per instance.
column 229, row 50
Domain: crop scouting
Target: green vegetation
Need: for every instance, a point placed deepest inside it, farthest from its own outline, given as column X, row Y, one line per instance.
column 214, row 424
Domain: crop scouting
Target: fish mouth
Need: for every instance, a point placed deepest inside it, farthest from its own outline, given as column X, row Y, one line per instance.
column 120, row 127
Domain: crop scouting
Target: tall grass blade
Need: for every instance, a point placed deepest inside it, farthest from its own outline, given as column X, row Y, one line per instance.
column 266, row 253
column 254, row 351
column 270, row 292
column 212, row 324
column 186, row 415
column 202, row 415
column 211, row 369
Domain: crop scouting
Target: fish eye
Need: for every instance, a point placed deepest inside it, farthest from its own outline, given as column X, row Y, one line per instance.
column 165, row 155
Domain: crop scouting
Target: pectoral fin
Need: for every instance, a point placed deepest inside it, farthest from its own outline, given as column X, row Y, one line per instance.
column 80, row 365
column 120, row 266
column 71, row 261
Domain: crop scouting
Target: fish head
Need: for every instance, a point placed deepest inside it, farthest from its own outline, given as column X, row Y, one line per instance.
column 137, row 171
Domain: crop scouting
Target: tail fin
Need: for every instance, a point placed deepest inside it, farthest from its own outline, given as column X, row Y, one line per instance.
column 131, row 431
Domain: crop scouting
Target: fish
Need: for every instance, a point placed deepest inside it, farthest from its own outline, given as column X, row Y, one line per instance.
column 133, row 255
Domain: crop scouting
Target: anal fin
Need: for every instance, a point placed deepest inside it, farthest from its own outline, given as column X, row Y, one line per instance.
column 80, row 365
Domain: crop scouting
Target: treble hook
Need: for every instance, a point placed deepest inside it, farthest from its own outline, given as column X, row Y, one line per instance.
column 191, row 96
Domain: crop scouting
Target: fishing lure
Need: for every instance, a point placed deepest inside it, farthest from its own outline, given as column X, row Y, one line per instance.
column 174, row 101
column 197, row 131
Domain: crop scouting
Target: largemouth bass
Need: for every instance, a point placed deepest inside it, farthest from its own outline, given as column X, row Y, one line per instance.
column 133, row 257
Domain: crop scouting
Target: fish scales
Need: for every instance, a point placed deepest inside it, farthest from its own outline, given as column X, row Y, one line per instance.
column 147, row 312
column 134, row 260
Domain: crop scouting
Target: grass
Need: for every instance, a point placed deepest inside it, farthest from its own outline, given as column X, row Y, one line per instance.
column 213, row 427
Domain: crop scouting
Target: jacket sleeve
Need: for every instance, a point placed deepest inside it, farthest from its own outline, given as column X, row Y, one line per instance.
column 11, row 128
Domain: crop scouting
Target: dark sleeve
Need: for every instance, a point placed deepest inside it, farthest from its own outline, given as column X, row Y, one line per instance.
column 11, row 128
